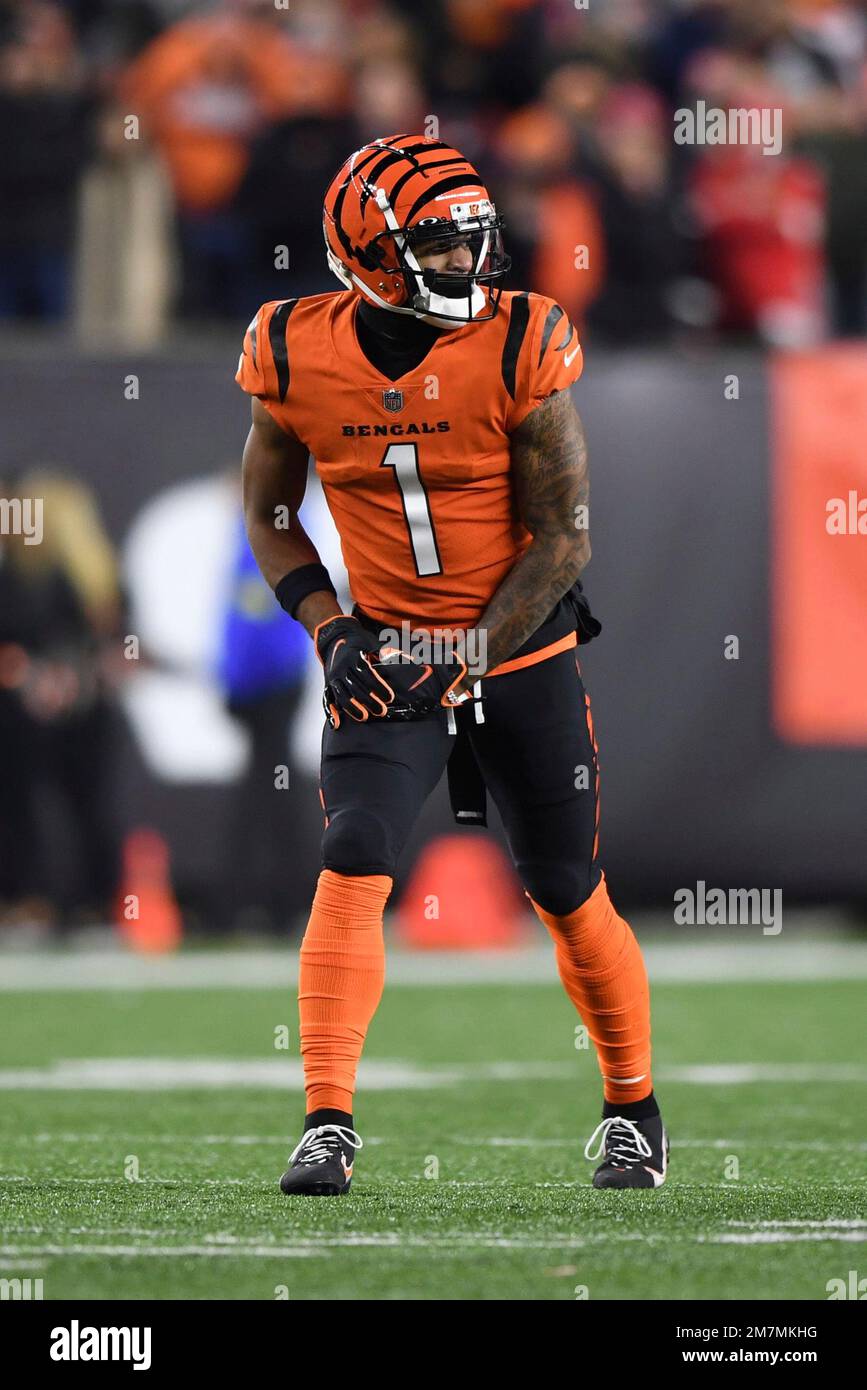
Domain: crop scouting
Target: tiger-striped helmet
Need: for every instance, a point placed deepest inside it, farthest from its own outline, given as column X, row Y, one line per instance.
column 407, row 196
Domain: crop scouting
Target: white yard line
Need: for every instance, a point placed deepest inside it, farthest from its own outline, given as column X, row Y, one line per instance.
column 266, row 1073
column 782, row 1237
column 191, row 1141
column 699, row 956
column 136, row 1074
column 744, row 1073
column 235, row 1247
column 830, row 1223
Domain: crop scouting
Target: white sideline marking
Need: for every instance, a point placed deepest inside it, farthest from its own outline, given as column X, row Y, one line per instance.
column 187, row 1141
column 832, row 1223
column 694, row 958
column 744, row 1073
column 527, row 1142
column 259, row 1251
column 229, row 1247
column 267, row 1073
column 782, row 1237
column 285, row 1074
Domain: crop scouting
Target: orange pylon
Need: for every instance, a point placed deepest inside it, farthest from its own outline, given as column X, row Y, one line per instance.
column 462, row 895
column 148, row 916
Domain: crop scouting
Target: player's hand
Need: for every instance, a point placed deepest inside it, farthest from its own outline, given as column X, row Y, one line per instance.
column 352, row 686
column 419, row 688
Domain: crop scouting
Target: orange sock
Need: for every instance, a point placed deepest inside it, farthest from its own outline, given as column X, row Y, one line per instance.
column 340, row 979
column 602, row 970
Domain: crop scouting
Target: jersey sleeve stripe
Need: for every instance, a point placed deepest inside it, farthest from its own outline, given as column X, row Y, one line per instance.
column 279, row 350
column 518, row 321
column 555, row 314
column 567, row 338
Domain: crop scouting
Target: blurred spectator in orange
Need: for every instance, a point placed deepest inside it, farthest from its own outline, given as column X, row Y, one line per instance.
column 576, row 90
column 553, row 231
column 204, row 89
column 45, row 119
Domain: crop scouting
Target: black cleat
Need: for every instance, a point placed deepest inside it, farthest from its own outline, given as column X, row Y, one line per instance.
column 318, row 1165
column 634, row 1153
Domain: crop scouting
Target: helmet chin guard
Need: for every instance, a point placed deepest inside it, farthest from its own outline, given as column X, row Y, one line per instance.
column 396, row 201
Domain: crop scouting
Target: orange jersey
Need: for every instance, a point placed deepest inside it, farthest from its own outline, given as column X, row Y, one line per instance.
column 416, row 472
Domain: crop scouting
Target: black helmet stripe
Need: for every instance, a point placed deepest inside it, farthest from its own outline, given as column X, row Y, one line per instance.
column 369, row 180
column 368, row 154
column 456, row 181
column 336, row 215
column 408, row 152
column 555, row 314
column 404, row 178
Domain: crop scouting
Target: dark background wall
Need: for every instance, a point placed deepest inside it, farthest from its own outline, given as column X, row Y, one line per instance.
column 695, row 784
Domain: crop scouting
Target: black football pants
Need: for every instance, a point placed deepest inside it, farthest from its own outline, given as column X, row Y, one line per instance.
column 537, row 755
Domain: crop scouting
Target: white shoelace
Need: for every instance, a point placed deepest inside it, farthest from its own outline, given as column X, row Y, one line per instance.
column 318, row 1145
column 631, row 1146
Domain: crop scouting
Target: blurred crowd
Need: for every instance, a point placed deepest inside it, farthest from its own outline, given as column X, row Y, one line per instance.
column 567, row 106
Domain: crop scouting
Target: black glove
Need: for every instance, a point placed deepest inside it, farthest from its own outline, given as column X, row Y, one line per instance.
column 352, row 686
column 418, row 688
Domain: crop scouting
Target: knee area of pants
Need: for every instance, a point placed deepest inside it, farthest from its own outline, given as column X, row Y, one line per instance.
column 556, row 888
column 357, row 842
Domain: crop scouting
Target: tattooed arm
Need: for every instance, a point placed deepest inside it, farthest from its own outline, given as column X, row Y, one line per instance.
column 549, row 467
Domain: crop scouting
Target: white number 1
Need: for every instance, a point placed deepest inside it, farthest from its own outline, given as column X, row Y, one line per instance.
column 403, row 458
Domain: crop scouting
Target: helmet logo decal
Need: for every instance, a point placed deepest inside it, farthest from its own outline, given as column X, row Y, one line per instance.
column 460, row 212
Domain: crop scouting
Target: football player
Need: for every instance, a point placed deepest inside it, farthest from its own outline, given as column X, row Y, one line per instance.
column 438, row 410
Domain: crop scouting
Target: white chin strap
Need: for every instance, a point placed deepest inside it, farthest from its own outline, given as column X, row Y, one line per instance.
column 440, row 304
column 435, row 305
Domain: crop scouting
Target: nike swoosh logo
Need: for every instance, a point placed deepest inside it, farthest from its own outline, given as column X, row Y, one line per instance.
column 567, row 361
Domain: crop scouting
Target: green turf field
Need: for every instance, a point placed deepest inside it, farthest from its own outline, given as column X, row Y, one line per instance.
column 472, row 1183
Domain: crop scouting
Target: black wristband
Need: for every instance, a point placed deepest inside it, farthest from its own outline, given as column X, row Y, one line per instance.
column 297, row 584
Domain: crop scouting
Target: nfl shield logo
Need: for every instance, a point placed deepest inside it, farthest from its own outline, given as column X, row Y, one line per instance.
column 392, row 400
